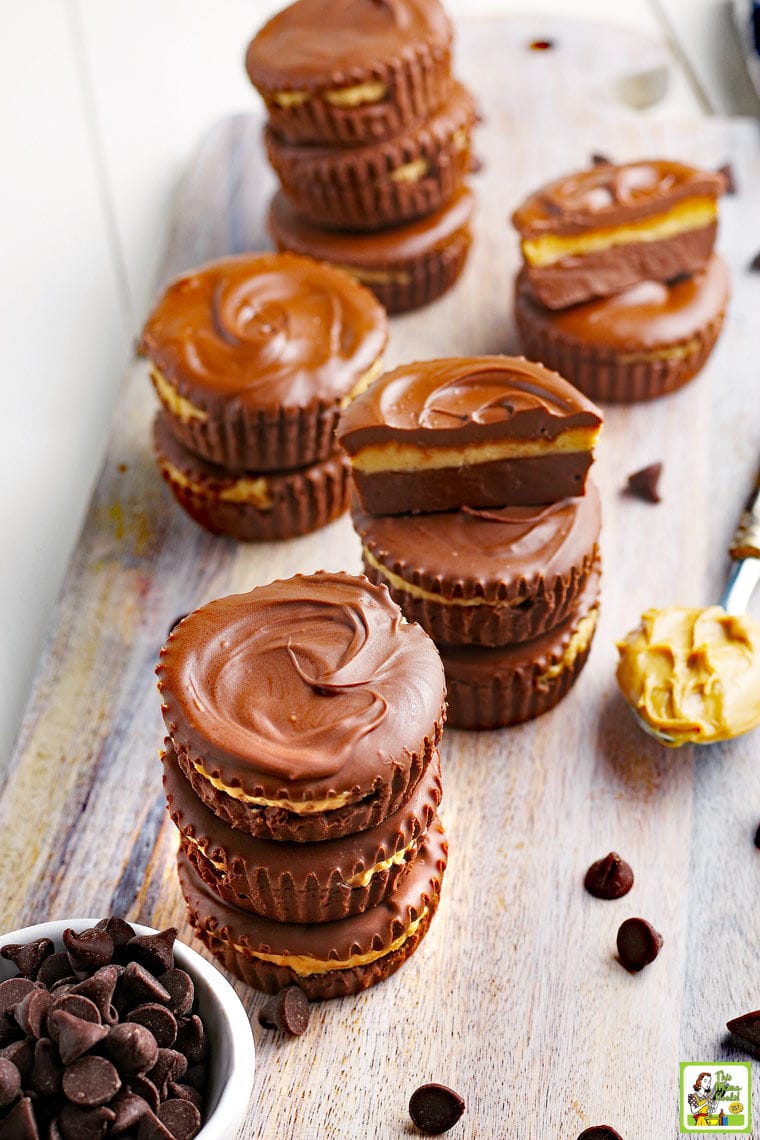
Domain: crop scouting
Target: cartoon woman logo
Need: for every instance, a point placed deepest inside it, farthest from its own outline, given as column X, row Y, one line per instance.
column 703, row 1102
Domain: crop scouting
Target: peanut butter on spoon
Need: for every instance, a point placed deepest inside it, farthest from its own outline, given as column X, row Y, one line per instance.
column 692, row 676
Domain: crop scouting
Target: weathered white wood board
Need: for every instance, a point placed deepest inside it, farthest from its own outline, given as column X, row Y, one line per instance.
column 515, row 997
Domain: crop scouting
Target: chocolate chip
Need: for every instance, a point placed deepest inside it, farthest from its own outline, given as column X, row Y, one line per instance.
column 76, row 1123
column 21, row 1054
column 757, row 837
column 643, row 483
column 31, row 1012
column 143, row 1087
column 9, row 1029
column 181, row 1117
column 185, row 1092
column 727, row 171
column 20, row 1124
column 138, row 985
column 89, row 950
column 100, row 990
column 91, row 1081
column 151, row 1128
column 47, row 1071
column 132, row 1048
column 197, row 1076
column 28, row 956
column 600, row 160
column 179, row 985
column 129, row 1109
column 159, row 1020
column 287, row 1011
column 12, row 991
column 119, row 931
column 754, row 264
column 191, row 1039
column 609, row 878
column 747, row 1026
column 435, row 1108
column 56, row 967
column 154, row 951
column 638, row 944
column 74, row 1035
column 600, row 1132
column 170, row 1066
column 10, row 1083
column 75, row 1006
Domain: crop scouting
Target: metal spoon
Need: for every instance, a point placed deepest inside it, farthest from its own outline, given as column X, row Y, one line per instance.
column 742, row 580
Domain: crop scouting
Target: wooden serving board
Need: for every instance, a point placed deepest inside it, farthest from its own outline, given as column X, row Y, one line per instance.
column 515, row 997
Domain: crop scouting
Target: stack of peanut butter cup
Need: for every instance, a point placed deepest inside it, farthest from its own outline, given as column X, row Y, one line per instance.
column 369, row 135
column 620, row 288
column 302, row 771
column 474, row 509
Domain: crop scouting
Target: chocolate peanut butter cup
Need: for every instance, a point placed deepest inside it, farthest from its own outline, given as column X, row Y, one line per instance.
column 485, row 577
column 252, row 506
column 405, row 267
column 253, row 356
column 327, row 959
column 281, row 881
column 644, row 342
column 493, row 688
column 383, row 183
column 345, row 71
column 305, row 709
column 599, row 231
column 487, row 431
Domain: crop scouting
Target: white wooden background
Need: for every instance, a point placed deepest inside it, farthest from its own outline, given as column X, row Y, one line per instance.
column 101, row 104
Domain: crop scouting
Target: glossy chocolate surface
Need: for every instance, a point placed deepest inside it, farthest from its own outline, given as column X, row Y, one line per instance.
column 373, row 930
column 461, row 400
column 647, row 316
column 311, row 41
column 265, row 330
column 382, row 249
column 301, row 689
column 612, row 195
column 491, row 554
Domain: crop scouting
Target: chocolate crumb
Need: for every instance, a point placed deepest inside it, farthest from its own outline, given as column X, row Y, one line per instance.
column 757, row 836
column 600, row 160
column 600, row 1132
column 727, row 171
column 643, row 483
column 287, row 1011
column 638, row 944
column 435, row 1108
column 755, row 263
column 609, row 878
column 747, row 1027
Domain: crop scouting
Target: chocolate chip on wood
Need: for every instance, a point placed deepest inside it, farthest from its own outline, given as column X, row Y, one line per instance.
column 638, row 944
column 435, row 1108
column 600, row 1132
column 643, row 483
column 609, row 878
column 747, row 1027
column 287, row 1011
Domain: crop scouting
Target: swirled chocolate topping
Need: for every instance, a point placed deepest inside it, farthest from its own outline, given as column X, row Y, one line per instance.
column 612, row 195
column 314, row 682
column 309, row 41
column 267, row 330
column 645, row 316
column 481, row 552
column 465, row 399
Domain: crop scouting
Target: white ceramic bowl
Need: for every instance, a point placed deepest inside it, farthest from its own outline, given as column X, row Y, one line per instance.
column 231, row 1057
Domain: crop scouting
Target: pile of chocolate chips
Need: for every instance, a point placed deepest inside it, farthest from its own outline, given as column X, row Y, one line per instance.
column 100, row 1039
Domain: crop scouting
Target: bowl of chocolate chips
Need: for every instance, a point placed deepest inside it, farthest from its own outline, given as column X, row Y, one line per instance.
column 108, row 1028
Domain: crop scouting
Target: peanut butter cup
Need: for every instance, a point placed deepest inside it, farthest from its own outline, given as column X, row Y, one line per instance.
column 485, row 577
column 328, row 959
column 405, row 267
column 253, row 356
column 252, row 506
column 496, row 687
column 476, row 432
column 600, row 231
column 383, row 183
column 285, row 882
column 641, row 343
column 345, row 71
column 305, row 709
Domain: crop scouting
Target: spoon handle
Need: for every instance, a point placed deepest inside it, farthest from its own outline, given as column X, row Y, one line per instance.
column 745, row 551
